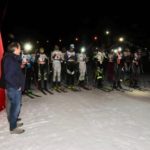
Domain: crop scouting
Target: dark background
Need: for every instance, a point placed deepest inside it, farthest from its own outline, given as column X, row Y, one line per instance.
column 26, row 20
column 55, row 19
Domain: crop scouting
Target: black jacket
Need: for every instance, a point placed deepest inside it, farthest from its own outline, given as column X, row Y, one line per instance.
column 13, row 74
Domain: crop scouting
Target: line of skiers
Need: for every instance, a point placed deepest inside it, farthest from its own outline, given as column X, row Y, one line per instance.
column 68, row 66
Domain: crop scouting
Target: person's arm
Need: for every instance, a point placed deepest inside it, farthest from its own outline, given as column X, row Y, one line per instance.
column 66, row 57
column 52, row 56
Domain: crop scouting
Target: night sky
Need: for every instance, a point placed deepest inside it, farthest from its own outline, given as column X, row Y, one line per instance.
column 46, row 20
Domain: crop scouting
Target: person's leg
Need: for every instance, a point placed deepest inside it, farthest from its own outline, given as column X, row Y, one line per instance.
column 39, row 78
column 7, row 105
column 19, row 97
column 81, row 79
column 119, row 78
column 59, row 74
column 45, row 78
column 45, row 85
column 68, row 73
column 68, row 80
column 14, row 97
column 136, row 78
column 115, row 77
column 73, row 74
column 63, row 73
column 54, row 75
column 80, row 74
column 42, row 76
column 72, row 80
column 84, row 74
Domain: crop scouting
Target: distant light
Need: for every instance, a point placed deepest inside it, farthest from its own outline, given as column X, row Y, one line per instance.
column 60, row 40
column 83, row 49
column 107, row 32
column 47, row 41
column 121, row 39
column 27, row 47
column 37, row 42
column 76, row 39
column 95, row 37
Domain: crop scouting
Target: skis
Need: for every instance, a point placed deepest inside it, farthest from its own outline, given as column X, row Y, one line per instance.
column 60, row 89
column 75, row 89
column 106, row 89
column 31, row 95
column 43, row 92
column 119, row 89
column 57, row 90
column 63, row 89
column 48, row 91
column 86, row 88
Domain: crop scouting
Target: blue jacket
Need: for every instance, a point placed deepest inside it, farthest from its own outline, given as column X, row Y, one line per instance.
column 13, row 75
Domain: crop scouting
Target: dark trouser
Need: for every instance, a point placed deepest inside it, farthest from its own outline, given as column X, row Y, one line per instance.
column 110, row 72
column 70, row 73
column 135, row 76
column 42, row 77
column 42, row 84
column 70, row 80
column 14, row 101
column 28, row 79
column 118, row 76
column 63, row 73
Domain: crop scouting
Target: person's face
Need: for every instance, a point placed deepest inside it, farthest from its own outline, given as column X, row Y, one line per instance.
column 41, row 50
column 17, row 50
column 129, row 53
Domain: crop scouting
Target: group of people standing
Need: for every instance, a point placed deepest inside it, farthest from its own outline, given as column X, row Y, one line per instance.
column 65, row 68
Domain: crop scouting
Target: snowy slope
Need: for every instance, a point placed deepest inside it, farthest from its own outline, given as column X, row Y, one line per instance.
column 87, row 120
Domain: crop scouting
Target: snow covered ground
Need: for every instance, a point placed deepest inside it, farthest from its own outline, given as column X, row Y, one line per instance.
column 87, row 120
